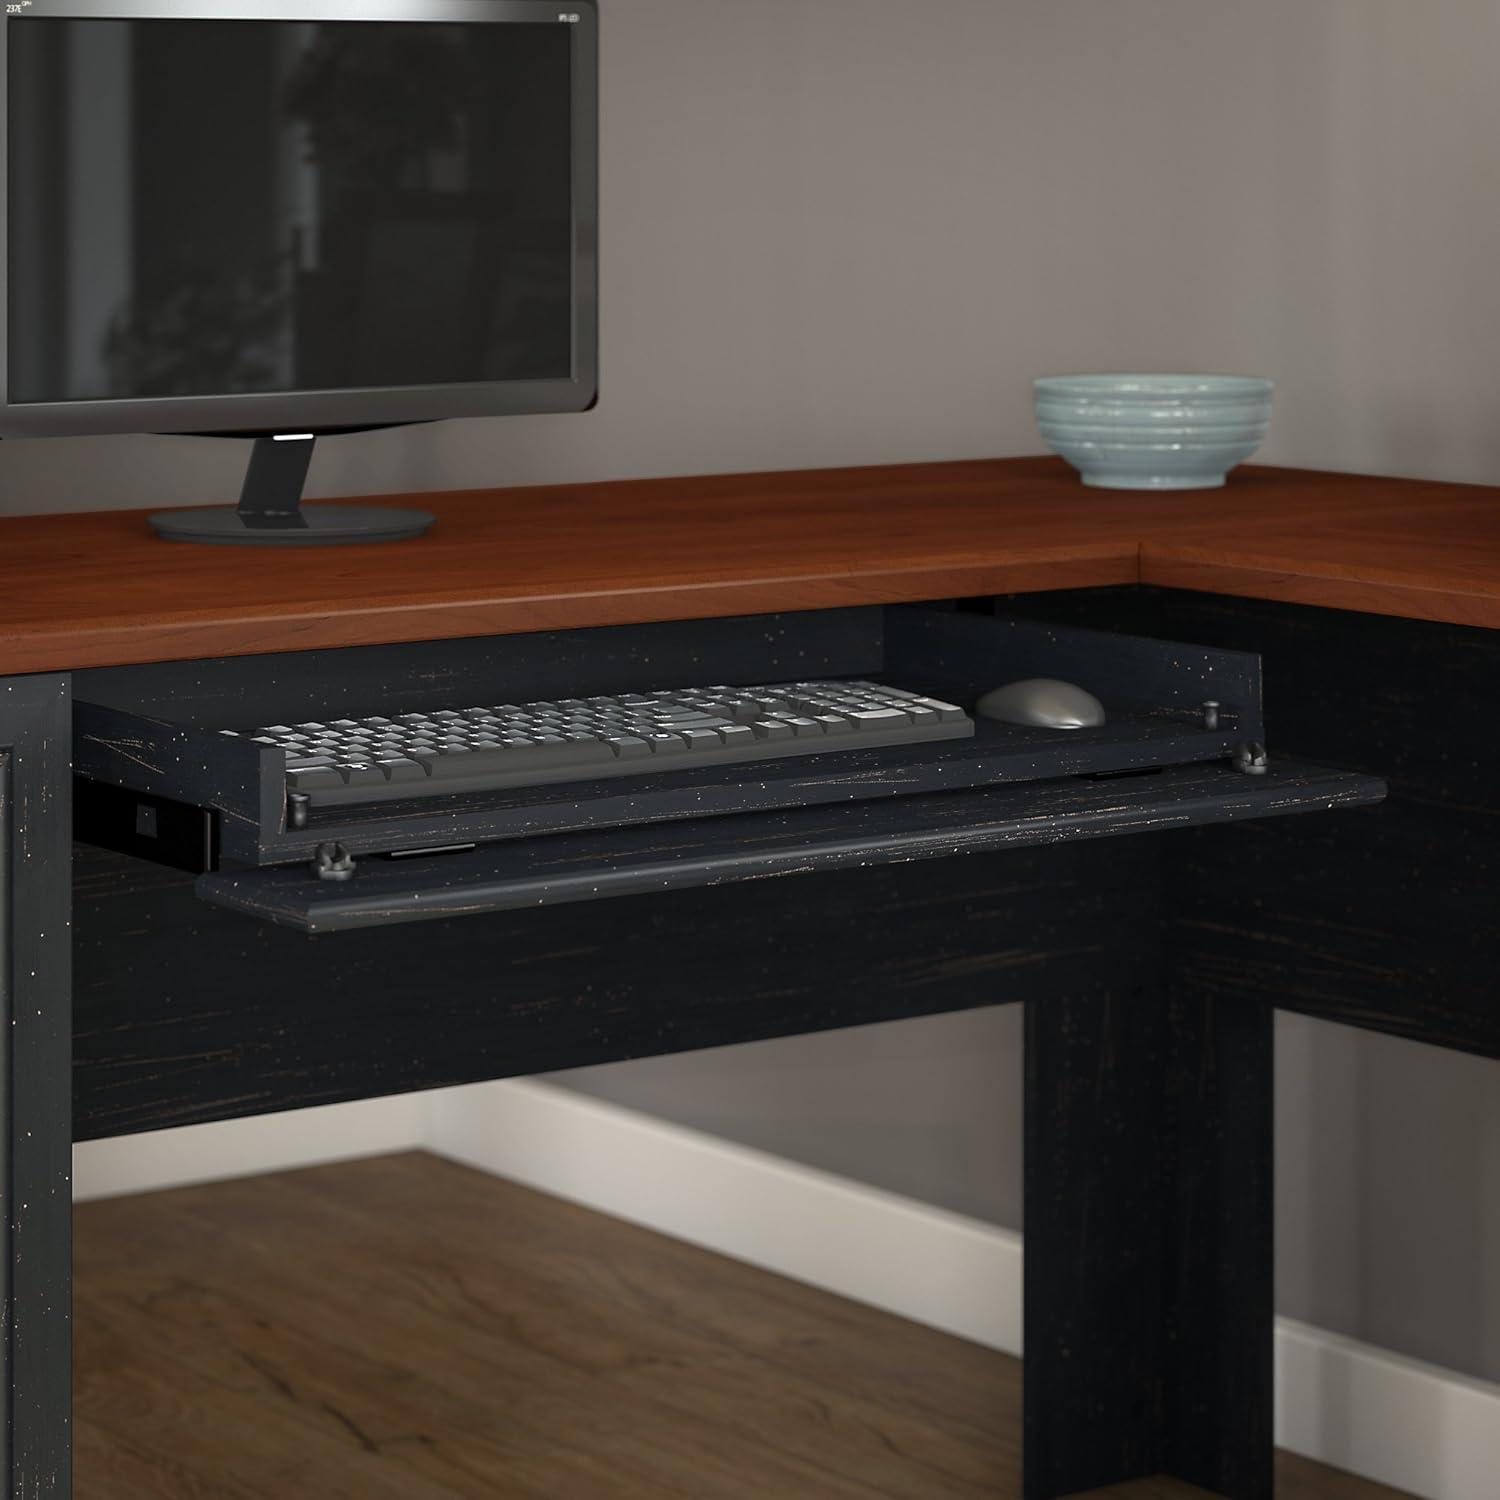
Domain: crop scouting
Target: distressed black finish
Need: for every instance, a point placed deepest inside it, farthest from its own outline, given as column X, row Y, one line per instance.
column 1148, row 1241
column 161, row 829
column 1219, row 1350
column 1149, row 965
column 1096, row 1290
column 1387, row 922
column 966, row 653
column 35, row 1028
column 155, row 729
column 529, row 873
column 186, row 1013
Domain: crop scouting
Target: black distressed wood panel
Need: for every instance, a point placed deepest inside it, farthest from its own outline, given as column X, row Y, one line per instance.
column 1386, row 921
column 186, row 1013
column 35, row 1134
column 1148, row 1249
column 963, row 653
column 1095, row 1292
column 530, row 873
column 232, row 692
column 1220, row 1253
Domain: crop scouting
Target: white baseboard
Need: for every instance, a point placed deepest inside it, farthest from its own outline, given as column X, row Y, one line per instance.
column 1413, row 1426
column 248, row 1147
column 938, row 1268
column 1410, row 1425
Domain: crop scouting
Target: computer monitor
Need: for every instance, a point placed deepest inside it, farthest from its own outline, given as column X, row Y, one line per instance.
column 285, row 218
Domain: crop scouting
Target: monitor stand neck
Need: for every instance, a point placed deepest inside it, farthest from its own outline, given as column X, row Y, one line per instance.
column 271, row 513
column 271, row 499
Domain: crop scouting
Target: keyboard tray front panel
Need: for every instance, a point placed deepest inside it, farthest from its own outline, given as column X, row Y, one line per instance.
column 526, row 874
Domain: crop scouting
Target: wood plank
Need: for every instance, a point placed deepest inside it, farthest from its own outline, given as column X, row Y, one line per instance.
column 35, row 1042
column 563, row 868
column 99, row 589
column 1438, row 560
column 213, row 1015
column 1148, row 1232
column 409, row 1328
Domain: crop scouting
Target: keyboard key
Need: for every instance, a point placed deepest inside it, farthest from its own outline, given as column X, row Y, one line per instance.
column 403, row 769
column 476, row 762
column 629, row 747
column 770, row 729
column 323, row 779
column 948, row 713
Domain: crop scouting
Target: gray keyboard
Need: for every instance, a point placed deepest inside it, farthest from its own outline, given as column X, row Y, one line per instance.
column 379, row 759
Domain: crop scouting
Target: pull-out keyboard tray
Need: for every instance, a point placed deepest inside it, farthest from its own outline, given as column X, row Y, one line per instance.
column 159, row 780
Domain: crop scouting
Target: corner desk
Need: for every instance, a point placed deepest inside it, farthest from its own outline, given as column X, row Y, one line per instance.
column 1149, row 966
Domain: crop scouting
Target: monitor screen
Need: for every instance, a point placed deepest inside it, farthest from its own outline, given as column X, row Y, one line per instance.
column 209, row 208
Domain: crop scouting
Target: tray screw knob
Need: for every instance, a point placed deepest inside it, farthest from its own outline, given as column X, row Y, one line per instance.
column 1252, row 759
column 1211, row 713
column 333, row 862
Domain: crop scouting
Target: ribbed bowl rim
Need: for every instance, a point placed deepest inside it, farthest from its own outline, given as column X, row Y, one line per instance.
column 1154, row 387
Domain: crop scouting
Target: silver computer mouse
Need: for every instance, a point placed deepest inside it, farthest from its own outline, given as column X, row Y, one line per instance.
column 1042, row 703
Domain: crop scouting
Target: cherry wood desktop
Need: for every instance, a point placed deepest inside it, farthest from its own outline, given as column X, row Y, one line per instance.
column 99, row 589
column 1149, row 980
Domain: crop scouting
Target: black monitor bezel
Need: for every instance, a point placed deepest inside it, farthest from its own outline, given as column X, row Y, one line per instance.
column 334, row 410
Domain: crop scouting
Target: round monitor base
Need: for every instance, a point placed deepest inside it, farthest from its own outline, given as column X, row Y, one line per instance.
column 326, row 526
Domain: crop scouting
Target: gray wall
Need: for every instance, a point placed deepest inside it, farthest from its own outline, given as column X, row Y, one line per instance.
column 850, row 231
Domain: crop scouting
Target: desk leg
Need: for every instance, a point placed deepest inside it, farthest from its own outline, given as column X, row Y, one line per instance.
column 1148, row 1298
column 36, row 1087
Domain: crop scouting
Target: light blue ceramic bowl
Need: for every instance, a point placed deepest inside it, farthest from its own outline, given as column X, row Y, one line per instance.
column 1153, row 432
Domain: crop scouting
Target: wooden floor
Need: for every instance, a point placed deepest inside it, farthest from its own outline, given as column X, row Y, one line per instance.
column 407, row 1329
